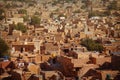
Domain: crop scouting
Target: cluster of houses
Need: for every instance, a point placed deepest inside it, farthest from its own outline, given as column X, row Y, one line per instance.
column 51, row 50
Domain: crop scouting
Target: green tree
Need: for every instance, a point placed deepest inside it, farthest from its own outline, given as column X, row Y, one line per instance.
column 51, row 15
column 77, row 11
column 2, row 14
column 97, row 13
column 7, row 6
column 21, row 27
column 30, row 4
column 112, row 5
column 21, row 0
column 35, row 20
column 83, row 6
column 91, row 45
column 22, row 11
column 3, row 48
column 37, row 13
column 26, row 18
